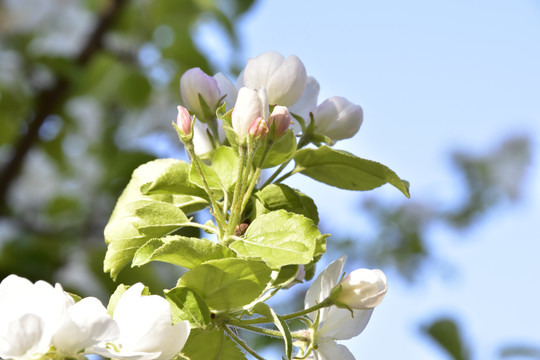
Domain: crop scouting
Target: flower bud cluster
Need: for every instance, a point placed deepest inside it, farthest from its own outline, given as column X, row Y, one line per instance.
column 39, row 319
column 269, row 80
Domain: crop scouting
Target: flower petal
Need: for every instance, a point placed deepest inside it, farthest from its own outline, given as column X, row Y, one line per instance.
column 322, row 286
column 340, row 325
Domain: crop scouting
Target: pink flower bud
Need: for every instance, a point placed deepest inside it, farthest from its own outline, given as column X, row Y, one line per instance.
column 183, row 120
column 258, row 128
column 362, row 289
column 282, row 119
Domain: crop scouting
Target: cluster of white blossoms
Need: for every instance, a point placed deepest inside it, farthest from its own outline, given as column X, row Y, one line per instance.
column 42, row 321
column 268, row 81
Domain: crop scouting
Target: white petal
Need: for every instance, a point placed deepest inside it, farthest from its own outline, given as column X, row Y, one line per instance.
column 306, row 104
column 287, row 84
column 23, row 337
column 201, row 140
column 259, row 70
column 86, row 323
column 330, row 350
column 174, row 340
column 323, row 284
column 227, row 88
column 340, row 325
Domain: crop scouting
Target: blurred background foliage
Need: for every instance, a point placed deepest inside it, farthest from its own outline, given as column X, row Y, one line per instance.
column 87, row 93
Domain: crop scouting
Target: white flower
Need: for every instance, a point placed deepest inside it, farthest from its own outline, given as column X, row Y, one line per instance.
column 362, row 289
column 334, row 323
column 338, row 118
column 145, row 327
column 284, row 79
column 85, row 323
column 29, row 316
column 202, row 143
column 196, row 85
column 306, row 104
column 227, row 89
column 251, row 105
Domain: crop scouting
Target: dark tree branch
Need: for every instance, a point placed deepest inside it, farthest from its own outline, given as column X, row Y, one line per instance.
column 49, row 100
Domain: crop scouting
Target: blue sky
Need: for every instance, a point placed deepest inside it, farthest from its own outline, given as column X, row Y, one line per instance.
column 431, row 76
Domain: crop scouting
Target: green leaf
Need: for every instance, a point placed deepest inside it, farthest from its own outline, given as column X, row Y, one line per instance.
column 225, row 163
column 210, row 175
column 187, row 305
column 173, row 179
column 346, row 171
column 270, row 314
column 211, row 345
column 285, row 275
column 280, row 196
column 138, row 218
column 279, row 238
column 282, row 150
column 228, row 283
column 183, row 251
column 446, row 333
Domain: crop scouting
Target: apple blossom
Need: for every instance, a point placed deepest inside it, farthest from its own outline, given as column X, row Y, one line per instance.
column 284, row 79
column 145, row 328
column 85, row 323
column 202, row 144
column 227, row 89
column 282, row 119
column 337, row 118
column 29, row 316
column 250, row 106
column 200, row 94
column 183, row 120
column 362, row 289
column 334, row 323
column 306, row 104
column 258, row 128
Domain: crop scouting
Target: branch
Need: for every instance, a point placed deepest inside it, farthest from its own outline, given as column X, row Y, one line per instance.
column 48, row 100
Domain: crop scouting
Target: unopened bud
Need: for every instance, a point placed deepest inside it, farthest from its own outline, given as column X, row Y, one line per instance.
column 281, row 118
column 183, row 120
column 362, row 289
column 258, row 128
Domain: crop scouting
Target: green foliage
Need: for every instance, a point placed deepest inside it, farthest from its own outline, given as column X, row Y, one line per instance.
column 283, row 327
column 228, row 283
column 279, row 238
column 446, row 334
column 183, row 251
column 280, row 196
column 187, row 305
column 346, row 171
column 212, row 345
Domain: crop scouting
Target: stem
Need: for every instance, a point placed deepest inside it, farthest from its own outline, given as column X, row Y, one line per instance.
column 242, row 343
column 255, row 177
column 217, row 210
column 237, row 189
column 285, row 176
column 260, row 330
column 208, row 229
column 275, row 174
column 261, row 320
